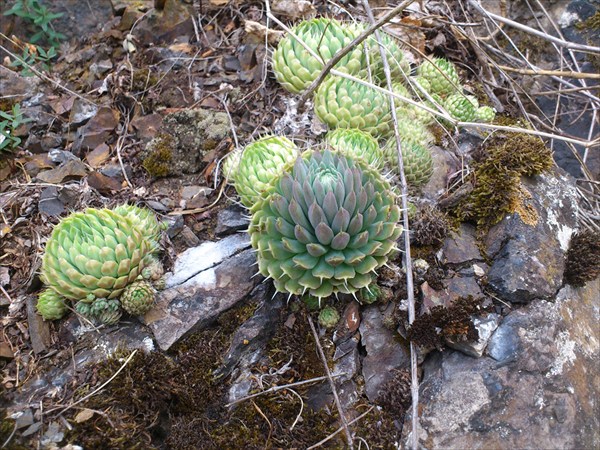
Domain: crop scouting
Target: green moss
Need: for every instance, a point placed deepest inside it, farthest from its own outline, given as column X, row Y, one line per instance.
column 160, row 153
column 497, row 189
column 591, row 23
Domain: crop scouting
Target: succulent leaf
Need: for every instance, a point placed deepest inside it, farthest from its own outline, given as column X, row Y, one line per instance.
column 144, row 220
column 333, row 249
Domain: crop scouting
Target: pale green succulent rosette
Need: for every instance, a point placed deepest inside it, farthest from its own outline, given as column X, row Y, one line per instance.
column 441, row 75
column 356, row 144
column 462, row 107
column 94, row 254
column 417, row 161
column 344, row 103
column 261, row 162
column 231, row 163
column 408, row 112
column 399, row 65
column 412, row 131
column 138, row 298
column 485, row 114
column 110, row 316
column 50, row 305
column 328, row 317
column 325, row 226
column 145, row 220
column 295, row 68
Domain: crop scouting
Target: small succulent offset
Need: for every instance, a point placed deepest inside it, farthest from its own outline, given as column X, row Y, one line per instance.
column 416, row 159
column 325, row 227
column 344, row 103
column 295, row 68
column 93, row 256
column 441, row 76
column 50, row 305
column 259, row 163
column 329, row 317
column 138, row 298
column 356, row 144
column 462, row 107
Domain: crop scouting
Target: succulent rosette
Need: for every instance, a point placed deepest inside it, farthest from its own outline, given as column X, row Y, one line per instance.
column 441, row 75
column 485, row 114
column 399, row 65
column 416, row 159
column 408, row 112
column 329, row 317
column 145, row 221
column 295, row 68
column 138, row 298
column 50, row 305
column 344, row 103
column 325, row 226
column 462, row 107
column 94, row 254
column 356, row 144
column 260, row 162
column 231, row 163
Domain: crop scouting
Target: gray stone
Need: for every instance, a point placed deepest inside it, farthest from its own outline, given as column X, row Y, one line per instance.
column 251, row 338
column 485, row 326
column 528, row 260
column 455, row 287
column 540, row 391
column 49, row 203
column 231, row 219
column 15, row 86
column 206, row 281
column 461, row 247
column 384, row 351
column 39, row 330
column 82, row 111
column 444, row 164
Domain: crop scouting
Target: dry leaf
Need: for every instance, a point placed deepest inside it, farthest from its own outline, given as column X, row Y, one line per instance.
column 218, row 2
column 260, row 31
column 84, row 415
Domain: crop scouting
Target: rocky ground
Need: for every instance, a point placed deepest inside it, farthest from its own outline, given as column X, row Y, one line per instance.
column 140, row 106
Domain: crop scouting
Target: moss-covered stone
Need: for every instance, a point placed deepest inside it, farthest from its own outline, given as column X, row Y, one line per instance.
column 185, row 142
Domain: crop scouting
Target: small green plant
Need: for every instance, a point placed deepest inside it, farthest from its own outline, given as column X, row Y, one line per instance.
column 36, row 13
column 41, row 18
column 9, row 122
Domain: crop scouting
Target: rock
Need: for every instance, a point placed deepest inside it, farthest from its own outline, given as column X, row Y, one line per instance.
column 82, row 111
column 455, row 287
column 15, row 86
column 251, row 338
column 461, row 247
column 184, row 142
column 384, row 351
column 97, row 130
column 49, row 203
column 231, row 219
column 72, row 168
column 528, row 260
column 540, row 391
column 485, row 326
column 39, row 331
column 77, row 20
column 206, row 281
column 444, row 164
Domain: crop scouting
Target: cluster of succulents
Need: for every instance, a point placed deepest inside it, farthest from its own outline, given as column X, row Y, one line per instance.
column 97, row 259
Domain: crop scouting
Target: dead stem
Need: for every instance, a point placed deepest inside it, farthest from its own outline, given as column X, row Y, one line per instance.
column 336, row 398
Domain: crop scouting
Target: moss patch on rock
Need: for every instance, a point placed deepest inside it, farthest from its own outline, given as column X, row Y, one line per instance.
column 496, row 180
